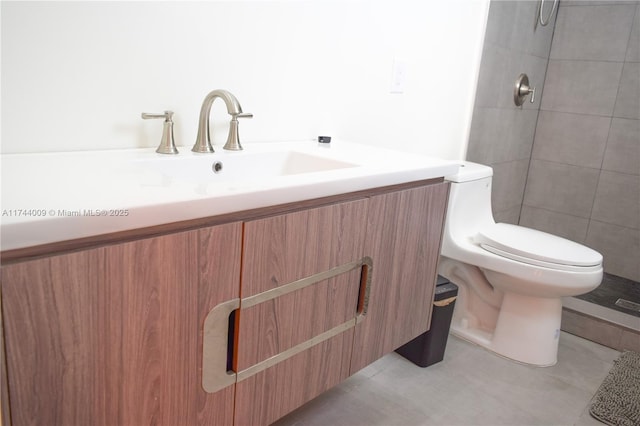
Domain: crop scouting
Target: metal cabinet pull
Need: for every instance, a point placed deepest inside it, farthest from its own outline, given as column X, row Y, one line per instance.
column 216, row 373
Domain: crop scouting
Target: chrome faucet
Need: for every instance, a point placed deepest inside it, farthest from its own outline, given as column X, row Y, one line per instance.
column 203, row 140
column 167, row 144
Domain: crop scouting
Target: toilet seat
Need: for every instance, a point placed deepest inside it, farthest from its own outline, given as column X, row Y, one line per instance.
column 538, row 248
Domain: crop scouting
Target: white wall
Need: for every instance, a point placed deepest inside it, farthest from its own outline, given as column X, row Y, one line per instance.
column 77, row 75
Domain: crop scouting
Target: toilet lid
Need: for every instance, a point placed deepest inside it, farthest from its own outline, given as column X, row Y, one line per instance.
column 533, row 246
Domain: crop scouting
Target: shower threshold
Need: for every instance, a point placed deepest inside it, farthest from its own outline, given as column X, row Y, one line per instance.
column 608, row 315
column 602, row 313
column 600, row 324
column 617, row 293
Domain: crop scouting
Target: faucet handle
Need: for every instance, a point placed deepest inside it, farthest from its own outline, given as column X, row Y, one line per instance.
column 167, row 144
column 233, row 140
column 166, row 115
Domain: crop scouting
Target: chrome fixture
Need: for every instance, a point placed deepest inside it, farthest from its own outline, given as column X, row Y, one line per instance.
column 203, row 140
column 167, row 144
column 544, row 22
column 522, row 89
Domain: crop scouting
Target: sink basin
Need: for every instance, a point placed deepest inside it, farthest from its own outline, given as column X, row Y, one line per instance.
column 237, row 167
column 70, row 195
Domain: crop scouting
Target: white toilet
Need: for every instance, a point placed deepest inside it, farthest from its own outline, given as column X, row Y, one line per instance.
column 511, row 279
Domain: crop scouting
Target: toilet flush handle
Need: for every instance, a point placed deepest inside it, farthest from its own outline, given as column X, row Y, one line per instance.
column 522, row 89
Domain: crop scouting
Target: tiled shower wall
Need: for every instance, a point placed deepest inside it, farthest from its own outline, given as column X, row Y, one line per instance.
column 502, row 134
column 584, row 176
column 578, row 151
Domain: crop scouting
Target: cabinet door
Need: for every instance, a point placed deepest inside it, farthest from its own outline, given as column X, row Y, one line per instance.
column 403, row 239
column 274, row 374
column 220, row 251
column 52, row 341
column 112, row 335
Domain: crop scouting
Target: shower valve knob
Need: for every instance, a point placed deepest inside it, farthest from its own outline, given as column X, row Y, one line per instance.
column 522, row 89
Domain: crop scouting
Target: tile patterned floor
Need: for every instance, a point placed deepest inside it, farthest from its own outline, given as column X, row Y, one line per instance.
column 471, row 386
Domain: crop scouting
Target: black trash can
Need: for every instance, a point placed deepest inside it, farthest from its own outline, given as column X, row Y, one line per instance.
column 428, row 348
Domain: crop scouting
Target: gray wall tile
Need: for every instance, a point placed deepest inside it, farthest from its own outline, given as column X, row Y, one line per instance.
column 575, row 139
column 511, row 215
column 500, row 23
column 561, row 224
column 569, row 3
column 586, row 87
column 492, row 76
column 499, row 71
column 483, row 135
column 620, row 247
column 589, row 36
column 519, row 128
column 633, row 50
column 576, row 136
column 527, row 37
column 500, row 131
column 593, row 32
column 499, row 135
column 623, row 147
column 617, row 199
column 509, row 180
column 561, row 188
column 628, row 101
column 511, row 24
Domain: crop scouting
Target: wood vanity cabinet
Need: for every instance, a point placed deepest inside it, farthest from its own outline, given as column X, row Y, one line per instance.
column 405, row 245
column 108, row 336
column 114, row 335
column 281, row 250
column 399, row 231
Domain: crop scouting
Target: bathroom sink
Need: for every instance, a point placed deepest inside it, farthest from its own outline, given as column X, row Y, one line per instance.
column 242, row 166
column 69, row 195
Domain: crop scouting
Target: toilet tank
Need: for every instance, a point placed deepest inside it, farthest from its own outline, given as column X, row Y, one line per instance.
column 469, row 207
column 469, row 171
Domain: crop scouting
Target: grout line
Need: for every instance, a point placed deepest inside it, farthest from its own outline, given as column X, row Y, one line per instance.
column 535, row 131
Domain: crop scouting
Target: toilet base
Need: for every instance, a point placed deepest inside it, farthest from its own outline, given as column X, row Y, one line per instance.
column 527, row 330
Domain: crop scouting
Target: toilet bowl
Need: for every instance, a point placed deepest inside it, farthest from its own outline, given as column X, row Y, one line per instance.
column 511, row 279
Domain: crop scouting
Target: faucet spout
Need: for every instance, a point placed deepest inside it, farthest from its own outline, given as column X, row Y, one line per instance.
column 203, row 140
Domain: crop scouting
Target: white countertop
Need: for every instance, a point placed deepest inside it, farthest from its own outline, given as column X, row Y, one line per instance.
column 51, row 197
